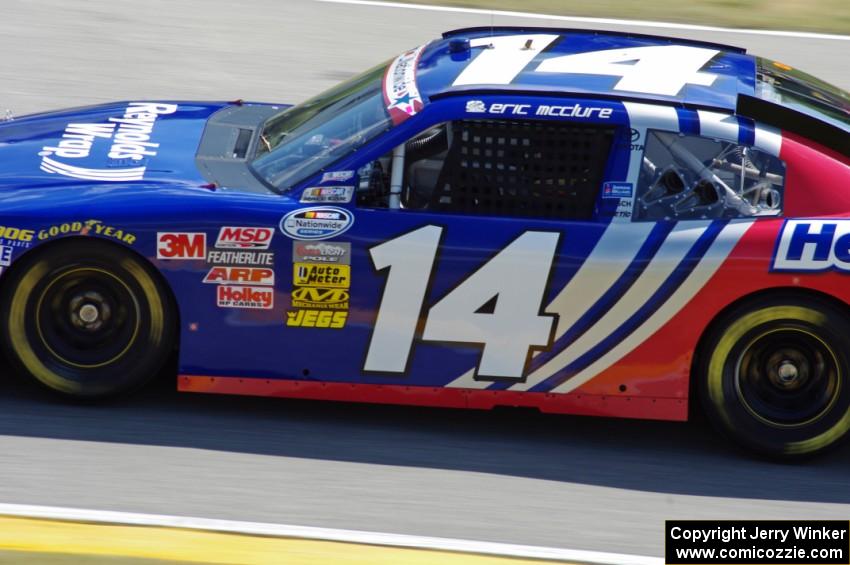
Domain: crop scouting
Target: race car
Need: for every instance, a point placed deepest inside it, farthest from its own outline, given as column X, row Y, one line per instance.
column 581, row 222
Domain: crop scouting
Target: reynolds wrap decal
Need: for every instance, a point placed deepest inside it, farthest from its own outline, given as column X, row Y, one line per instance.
column 813, row 245
column 129, row 145
column 400, row 92
column 320, row 222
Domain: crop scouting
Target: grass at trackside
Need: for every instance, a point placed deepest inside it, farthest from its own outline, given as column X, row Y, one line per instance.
column 801, row 15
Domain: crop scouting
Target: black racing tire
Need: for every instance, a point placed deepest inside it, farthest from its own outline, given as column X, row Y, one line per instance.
column 774, row 375
column 86, row 319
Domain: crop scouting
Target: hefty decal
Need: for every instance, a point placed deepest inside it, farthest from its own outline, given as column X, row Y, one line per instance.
column 316, row 223
column 813, row 245
column 240, row 275
column 129, row 137
column 244, row 238
column 321, row 252
column 400, row 92
column 181, row 245
column 261, row 298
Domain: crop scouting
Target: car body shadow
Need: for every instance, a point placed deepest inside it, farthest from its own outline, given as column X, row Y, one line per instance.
column 664, row 457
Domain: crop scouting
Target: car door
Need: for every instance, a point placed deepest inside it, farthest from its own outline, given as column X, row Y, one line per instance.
column 500, row 252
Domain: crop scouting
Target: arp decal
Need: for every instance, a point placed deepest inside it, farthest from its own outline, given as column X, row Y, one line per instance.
column 248, row 297
column 181, row 245
column 813, row 245
column 321, row 252
column 230, row 237
column 321, row 222
column 240, row 275
column 129, row 138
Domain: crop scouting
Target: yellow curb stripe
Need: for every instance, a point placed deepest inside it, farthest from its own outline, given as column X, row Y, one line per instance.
column 193, row 546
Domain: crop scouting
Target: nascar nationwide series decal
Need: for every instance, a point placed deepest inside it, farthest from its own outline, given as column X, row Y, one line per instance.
column 129, row 138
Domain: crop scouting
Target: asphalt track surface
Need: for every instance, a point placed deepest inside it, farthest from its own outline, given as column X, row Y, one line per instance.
column 513, row 476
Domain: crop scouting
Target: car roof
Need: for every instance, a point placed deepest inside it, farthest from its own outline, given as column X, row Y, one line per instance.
column 451, row 65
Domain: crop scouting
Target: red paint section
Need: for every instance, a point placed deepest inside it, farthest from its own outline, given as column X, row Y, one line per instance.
column 817, row 179
column 619, row 406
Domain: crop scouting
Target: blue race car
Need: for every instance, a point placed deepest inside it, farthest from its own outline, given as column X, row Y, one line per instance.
column 583, row 222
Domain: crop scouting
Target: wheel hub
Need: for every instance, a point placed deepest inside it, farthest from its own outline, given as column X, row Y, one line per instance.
column 89, row 311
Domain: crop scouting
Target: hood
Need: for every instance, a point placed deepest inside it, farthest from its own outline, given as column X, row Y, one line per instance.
column 110, row 143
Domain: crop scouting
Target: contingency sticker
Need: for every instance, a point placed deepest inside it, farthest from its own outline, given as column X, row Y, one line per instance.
column 321, row 279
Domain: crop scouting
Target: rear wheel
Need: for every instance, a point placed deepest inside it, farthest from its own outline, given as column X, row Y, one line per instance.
column 775, row 376
column 86, row 319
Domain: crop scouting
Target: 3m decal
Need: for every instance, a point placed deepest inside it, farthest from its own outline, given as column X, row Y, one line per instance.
column 129, row 138
column 181, row 245
column 252, row 258
column 240, row 275
column 321, row 252
column 329, row 194
column 249, row 297
column 310, row 224
column 320, row 298
column 244, row 238
column 813, row 245
column 6, row 255
column 89, row 227
column 493, row 308
column 400, row 92
column 316, row 319
column 330, row 276
column 617, row 190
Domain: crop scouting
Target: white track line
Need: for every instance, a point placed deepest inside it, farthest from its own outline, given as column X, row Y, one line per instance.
column 325, row 534
column 596, row 21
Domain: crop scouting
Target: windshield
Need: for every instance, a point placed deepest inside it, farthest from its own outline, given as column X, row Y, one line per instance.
column 795, row 89
column 304, row 139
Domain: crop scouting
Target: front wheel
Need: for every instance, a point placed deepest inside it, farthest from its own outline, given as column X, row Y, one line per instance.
column 775, row 376
column 86, row 319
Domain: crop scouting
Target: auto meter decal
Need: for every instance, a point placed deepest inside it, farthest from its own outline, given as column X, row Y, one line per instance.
column 321, row 222
column 126, row 140
column 400, row 91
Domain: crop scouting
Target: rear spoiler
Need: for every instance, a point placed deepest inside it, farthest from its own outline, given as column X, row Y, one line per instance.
column 793, row 121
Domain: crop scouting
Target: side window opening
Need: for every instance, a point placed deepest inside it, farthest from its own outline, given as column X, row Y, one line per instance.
column 693, row 177
column 539, row 169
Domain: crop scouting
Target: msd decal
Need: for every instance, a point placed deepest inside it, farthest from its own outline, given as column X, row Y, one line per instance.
column 244, row 238
column 129, row 137
column 813, row 245
column 240, row 275
column 182, row 245
column 247, row 297
column 400, row 92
